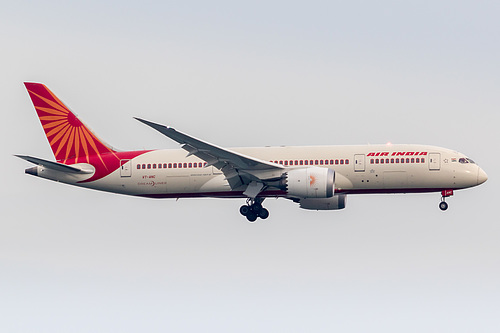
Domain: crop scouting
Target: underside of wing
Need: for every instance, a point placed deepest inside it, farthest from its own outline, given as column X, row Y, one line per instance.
column 238, row 169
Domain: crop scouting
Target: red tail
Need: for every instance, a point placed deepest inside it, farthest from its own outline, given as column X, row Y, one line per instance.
column 68, row 137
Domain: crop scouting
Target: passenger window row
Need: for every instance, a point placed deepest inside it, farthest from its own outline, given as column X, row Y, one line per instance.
column 171, row 165
column 312, row 162
column 200, row 164
column 396, row 160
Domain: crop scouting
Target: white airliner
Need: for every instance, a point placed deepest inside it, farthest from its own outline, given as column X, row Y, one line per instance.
column 315, row 177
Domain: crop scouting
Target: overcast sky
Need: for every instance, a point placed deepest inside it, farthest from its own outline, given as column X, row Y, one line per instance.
column 255, row 74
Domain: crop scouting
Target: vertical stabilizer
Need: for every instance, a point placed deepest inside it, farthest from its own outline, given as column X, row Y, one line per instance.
column 68, row 137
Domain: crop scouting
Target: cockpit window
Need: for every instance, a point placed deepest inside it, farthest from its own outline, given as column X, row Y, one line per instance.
column 464, row 160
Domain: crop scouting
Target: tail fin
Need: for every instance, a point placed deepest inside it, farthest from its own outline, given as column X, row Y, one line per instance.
column 68, row 137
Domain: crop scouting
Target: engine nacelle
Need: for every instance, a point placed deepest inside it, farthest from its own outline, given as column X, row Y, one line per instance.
column 335, row 202
column 311, row 182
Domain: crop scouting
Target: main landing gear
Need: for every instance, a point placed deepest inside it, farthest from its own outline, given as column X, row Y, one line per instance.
column 443, row 205
column 253, row 209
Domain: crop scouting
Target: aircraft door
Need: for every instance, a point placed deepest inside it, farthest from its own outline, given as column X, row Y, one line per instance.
column 359, row 162
column 434, row 161
column 125, row 168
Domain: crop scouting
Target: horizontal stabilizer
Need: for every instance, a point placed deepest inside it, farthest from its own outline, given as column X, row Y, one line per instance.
column 54, row 165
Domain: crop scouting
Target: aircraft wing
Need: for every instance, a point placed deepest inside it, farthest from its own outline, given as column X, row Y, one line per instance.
column 238, row 169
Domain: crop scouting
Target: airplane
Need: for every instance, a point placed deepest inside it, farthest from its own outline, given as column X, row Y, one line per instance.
column 315, row 177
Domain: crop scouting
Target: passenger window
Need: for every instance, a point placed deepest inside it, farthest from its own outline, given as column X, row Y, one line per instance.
column 397, row 160
column 154, row 166
column 331, row 162
column 169, row 165
column 138, row 166
column 286, row 162
column 296, row 162
column 392, row 160
column 164, row 165
column 316, row 162
column 341, row 161
column 180, row 165
column 306, row 162
column 149, row 166
column 418, row 160
column 336, row 162
column 376, row 161
column 320, row 162
column 422, row 160
column 407, row 160
column 185, row 165
column 301, row 162
column 346, row 161
column 371, row 161
column 387, row 160
column 144, row 166
column 381, row 161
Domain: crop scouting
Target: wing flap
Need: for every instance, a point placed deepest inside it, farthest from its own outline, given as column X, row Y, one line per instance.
column 238, row 169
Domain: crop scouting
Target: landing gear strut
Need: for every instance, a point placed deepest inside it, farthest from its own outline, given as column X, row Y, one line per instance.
column 253, row 209
column 443, row 205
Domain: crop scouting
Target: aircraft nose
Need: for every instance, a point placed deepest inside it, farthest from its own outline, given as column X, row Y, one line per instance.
column 481, row 176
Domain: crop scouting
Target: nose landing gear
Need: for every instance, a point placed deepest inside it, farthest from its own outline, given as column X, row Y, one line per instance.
column 253, row 210
column 443, row 205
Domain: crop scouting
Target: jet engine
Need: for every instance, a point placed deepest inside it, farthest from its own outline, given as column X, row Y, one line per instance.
column 310, row 183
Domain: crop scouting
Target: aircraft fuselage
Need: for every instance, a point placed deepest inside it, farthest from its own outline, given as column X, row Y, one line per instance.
column 358, row 170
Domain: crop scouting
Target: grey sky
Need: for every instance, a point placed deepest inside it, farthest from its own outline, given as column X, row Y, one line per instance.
column 262, row 73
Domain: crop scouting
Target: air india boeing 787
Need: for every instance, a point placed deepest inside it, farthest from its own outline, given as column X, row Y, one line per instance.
column 315, row 177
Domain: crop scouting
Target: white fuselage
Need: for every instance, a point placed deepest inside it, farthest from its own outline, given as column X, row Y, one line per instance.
column 358, row 169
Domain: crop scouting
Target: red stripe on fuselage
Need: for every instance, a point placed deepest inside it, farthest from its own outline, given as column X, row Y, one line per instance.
column 282, row 194
column 111, row 162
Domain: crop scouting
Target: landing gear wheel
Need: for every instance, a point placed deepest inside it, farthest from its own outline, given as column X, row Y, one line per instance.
column 263, row 213
column 244, row 210
column 257, row 207
column 443, row 205
column 251, row 216
column 253, row 210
